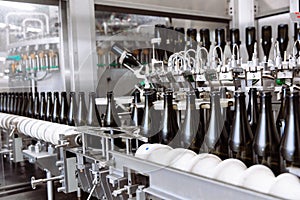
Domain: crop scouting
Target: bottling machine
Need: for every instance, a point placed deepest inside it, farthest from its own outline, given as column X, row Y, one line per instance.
column 51, row 50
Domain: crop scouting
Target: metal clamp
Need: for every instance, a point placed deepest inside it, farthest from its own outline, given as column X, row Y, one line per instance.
column 62, row 145
column 13, row 130
column 130, row 189
column 35, row 182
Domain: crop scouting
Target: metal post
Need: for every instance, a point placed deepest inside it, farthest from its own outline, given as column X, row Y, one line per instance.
column 78, row 193
column 49, row 185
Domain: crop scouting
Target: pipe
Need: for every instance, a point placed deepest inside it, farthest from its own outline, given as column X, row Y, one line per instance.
column 79, row 193
column 91, row 192
column 23, row 14
column 35, row 182
column 49, row 185
column 33, row 20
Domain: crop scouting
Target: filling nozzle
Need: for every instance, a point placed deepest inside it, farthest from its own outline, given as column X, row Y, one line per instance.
column 200, row 65
column 235, row 59
column 215, row 58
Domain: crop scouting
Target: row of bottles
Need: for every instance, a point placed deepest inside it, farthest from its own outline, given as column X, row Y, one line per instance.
column 58, row 108
column 176, row 39
column 253, row 136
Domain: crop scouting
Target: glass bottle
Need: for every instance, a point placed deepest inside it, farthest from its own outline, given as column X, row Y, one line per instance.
column 205, row 38
column 29, row 110
column 225, row 111
column 159, row 30
column 180, row 42
column 169, row 124
column 289, row 145
column 266, row 36
column 12, row 103
column 82, row 110
column 72, row 109
column 136, row 112
column 64, row 109
column 191, row 42
column 24, row 105
column 111, row 116
column 283, row 38
column 92, row 119
column 151, row 118
column 127, row 58
column 266, row 139
column 49, row 107
column 16, row 102
column 5, row 97
column 8, row 102
column 220, row 40
column 250, row 41
column 1, row 101
column 190, row 133
column 241, row 136
column 56, row 108
column 216, row 137
column 36, row 106
column 20, row 103
column 234, row 39
column 43, row 107
column 170, row 41
column 252, row 110
column 282, row 114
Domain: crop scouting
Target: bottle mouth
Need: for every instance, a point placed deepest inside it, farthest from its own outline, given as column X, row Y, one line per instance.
column 294, row 94
column 253, row 89
column 265, row 93
column 239, row 94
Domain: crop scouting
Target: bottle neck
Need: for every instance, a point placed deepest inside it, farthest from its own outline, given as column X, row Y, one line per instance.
column 110, row 97
column 190, row 102
column 215, row 103
column 168, row 101
column 266, row 105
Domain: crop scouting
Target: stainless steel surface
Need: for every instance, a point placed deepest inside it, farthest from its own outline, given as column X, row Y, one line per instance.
column 50, row 40
column 64, row 59
column 101, row 171
column 70, row 180
column 193, row 8
column 17, row 150
column 272, row 7
column 182, row 184
column 49, row 185
column 82, row 44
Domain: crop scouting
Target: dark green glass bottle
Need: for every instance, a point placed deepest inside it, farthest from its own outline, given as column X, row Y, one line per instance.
column 169, row 124
column 111, row 116
column 190, row 132
column 266, row 139
column 252, row 110
column 56, row 108
column 289, row 145
column 282, row 114
column 216, row 137
column 241, row 136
